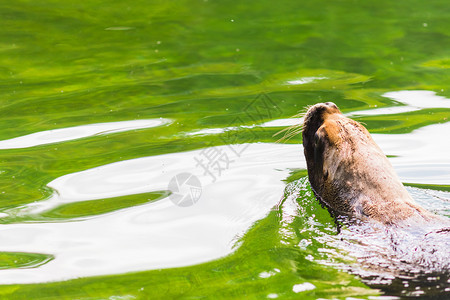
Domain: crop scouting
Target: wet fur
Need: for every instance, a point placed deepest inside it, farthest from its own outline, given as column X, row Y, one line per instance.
column 350, row 174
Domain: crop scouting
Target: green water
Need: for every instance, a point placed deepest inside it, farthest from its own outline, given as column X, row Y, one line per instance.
column 201, row 64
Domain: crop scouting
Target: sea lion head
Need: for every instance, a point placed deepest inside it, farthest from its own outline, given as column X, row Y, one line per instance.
column 348, row 172
column 314, row 119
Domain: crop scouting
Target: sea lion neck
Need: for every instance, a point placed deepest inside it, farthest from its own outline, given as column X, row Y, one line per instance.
column 352, row 177
column 349, row 173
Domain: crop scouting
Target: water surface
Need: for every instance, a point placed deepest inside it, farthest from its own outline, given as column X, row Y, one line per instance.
column 103, row 104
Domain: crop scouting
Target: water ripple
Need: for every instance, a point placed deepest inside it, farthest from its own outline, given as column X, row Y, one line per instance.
column 411, row 100
column 153, row 235
column 78, row 132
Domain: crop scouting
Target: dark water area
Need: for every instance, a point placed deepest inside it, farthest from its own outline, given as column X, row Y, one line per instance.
column 138, row 156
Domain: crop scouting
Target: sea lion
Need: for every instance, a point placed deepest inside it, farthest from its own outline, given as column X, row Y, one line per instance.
column 349, row 173
column 392, row 238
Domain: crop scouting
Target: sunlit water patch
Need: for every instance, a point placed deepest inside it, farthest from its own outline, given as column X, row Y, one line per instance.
column 304, row 80
column 64, row 64
column 410, row 100
column 153, row 235
column 78, row 132
column 421, row 156
column 434, row 200
column 161, row 234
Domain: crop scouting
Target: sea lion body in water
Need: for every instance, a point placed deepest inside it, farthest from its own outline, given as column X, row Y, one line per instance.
column 350, row 174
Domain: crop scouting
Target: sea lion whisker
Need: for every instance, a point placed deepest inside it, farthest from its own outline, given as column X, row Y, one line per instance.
column 289, row 132
column 295, row 129
column 292, row 130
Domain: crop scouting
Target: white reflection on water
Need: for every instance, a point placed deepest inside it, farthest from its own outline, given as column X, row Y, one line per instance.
column 421, row 156
column 78, row 132
column 411, row 100
column 154, row 235
column 162, row 235
column 304, row 80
